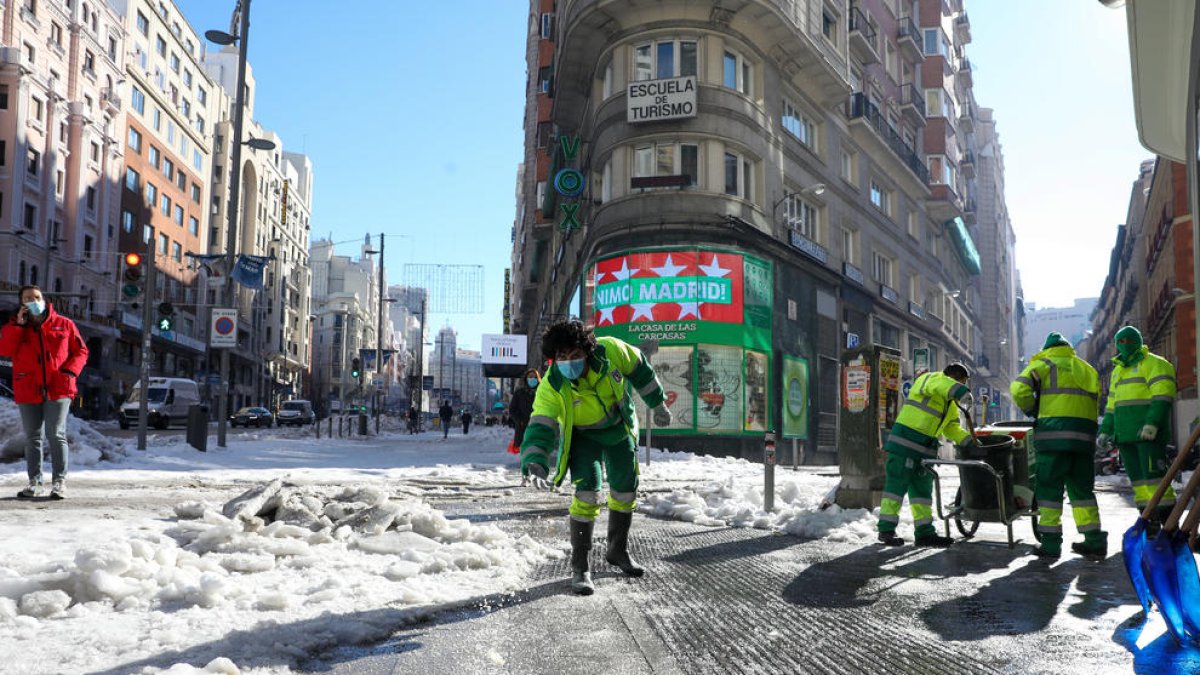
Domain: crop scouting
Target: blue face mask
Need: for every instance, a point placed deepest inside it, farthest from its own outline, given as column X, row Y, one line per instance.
column 531, row 381
column 35, row 307
column 571, row 369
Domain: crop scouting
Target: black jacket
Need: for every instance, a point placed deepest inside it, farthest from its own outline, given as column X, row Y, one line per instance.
column 446, row 412
column 520, row 408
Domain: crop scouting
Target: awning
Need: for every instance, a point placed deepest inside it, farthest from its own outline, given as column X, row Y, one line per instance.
column 963, row 244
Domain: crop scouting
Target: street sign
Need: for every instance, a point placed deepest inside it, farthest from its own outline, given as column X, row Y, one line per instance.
column 223, row 331
column 905, row 388
column 214, row 380
column 427, row 382
column 983, row 391
column 377, row 381
column 851, row 340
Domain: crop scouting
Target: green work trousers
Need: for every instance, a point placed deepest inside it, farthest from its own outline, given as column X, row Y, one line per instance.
column 615, row 448
column 906, row 475
column 1146, row 463
column 1076, row 472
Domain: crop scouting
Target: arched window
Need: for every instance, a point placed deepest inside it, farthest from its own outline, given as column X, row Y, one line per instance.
column 58, row 284
column 91, row 301
column 21, row 277
column 33, row 275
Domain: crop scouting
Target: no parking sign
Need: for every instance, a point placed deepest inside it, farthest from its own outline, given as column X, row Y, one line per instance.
column 223, row 331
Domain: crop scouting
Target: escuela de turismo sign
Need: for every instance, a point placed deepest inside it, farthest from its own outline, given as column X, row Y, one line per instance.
column 657, row 100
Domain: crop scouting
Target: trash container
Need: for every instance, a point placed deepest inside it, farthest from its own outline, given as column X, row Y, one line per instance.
column 362, row 424
column 197, row 427
column 980, row 502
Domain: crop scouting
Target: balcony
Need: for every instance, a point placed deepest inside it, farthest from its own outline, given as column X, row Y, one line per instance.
column 970, row 211
column 962, row 29
column 944, row 204
column 909, row 39
column 964, row 73
column 111, row 100
column 966, row 118
column 862, row 109
column 912, row 104
column 966, row 165
column 863, row 38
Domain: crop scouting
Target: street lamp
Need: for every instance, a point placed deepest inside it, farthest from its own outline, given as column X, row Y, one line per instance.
column 242, row 12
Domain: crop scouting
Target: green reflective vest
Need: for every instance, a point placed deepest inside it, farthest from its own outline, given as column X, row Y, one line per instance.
column 1140, row 394
column 928, row 412
column 1063, row 392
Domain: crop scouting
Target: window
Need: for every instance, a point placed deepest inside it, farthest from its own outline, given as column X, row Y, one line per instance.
column 881, row 268
column 127, row 221
column 179, row 215
column 662, row 60
column 160, row 45
column 176, row 252
column 3, row 97
column 914, row 288
column 89, row 61
column 156, row 119
column 131, row 179
column 942, row 172
column 606, row 179
column 199, row 124
column 143, row 24
column 163, row 242
column 56, row 33
column 164, row 205
column 848, row 160
column 91, row 199
column 135, row 140
column 37, row 107
column 193, row 226
column 738, row 176
column 152, row 156
column 736, row 72
column 547, row 27
column 151, row 194
column 137, row 100
column 30, row 54
column 938, row 103
column 187, row 78
column 198, row 160
column 935, row 43
column 829, row 26
column 3, row 152
column 87, row 246
column 881, row 198
column 147, row 234
column 798, row 125
column 112, row 48
column 545, row 80
column 95, row 154
column 201, row 95
column 666, row 159
column 803, row 217
column 608, row 81
column 185, row 107
column 914, row 227
column 59, row 180
column 168, row 169
column 850, row 245
column 31, row 162
column 181, row 179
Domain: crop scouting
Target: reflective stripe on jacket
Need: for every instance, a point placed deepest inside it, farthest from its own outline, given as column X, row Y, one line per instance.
column 928, row 412
column 1141, row 394
column 1063, row 392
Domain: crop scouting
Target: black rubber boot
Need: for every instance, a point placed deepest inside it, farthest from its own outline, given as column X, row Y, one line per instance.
column 890, row 539
column 618, row 543
column 581, row 546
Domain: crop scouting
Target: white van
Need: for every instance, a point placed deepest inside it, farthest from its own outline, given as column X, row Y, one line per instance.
column 168, row 401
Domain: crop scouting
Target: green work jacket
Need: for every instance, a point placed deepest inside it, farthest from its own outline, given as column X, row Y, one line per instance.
column 1140, row 394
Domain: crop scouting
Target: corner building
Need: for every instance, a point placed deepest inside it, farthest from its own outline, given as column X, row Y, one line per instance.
column 753, row 199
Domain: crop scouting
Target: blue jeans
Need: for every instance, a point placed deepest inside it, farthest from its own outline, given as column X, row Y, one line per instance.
column 41, row 420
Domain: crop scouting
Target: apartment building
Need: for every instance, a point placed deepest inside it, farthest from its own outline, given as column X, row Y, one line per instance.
column 345, row 302
column 457, row 374
column 781, row 147
column 62, row 118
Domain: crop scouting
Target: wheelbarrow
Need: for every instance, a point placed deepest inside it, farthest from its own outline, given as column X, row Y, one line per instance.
column 994, row 487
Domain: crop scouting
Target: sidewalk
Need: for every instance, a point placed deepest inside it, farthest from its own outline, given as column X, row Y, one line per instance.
column 747, row 601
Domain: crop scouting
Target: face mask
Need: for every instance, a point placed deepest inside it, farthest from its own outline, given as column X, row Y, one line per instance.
column 35, row 307
column 531, row 381
column 571, row 369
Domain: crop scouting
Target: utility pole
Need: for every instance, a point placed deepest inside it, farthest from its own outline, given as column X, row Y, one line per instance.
column 379, row 338
column 147, row 339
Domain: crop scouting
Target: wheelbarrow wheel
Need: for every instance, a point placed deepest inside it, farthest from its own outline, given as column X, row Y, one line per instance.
column 966, row 527
column 1033, row 520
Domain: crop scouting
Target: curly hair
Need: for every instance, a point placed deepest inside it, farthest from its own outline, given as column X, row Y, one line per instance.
column 565, row 336
column 957, row 371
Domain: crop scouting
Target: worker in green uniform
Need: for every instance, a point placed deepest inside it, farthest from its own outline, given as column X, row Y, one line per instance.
column 1062, row 391
column 930, row 411
column 584, row 410
column 1141, row 394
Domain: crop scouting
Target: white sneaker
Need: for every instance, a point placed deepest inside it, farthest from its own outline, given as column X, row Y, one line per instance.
column 58, row 490
column 34, row 490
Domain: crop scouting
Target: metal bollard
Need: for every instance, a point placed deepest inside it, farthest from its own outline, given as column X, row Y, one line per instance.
column 769, row 471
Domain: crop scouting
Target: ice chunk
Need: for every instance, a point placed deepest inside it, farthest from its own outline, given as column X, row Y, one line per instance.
column 42, row 604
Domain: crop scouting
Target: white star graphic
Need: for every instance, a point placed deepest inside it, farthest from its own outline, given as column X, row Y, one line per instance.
column 686, row 308
column 669, row 269
column 645, row 311
column 713, row 269
column 600, row 276
column 605, row 313
column 624, row 273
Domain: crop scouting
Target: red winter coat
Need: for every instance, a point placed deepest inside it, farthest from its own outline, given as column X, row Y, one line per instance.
column 46, row 357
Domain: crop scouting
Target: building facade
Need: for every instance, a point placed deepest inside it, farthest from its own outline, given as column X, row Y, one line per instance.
column 345, row 305
column 779, row 162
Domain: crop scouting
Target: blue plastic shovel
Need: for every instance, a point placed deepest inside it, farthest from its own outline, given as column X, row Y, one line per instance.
column 1134, row 543
column 1186, row 575
column 1163, row 569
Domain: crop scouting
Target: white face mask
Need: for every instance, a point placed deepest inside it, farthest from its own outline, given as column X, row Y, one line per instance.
column 36, row 307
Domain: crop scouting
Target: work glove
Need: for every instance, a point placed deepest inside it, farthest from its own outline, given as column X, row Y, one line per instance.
column 1104, row 440
column 536, row 477
column 967, row 400
column 1148, row 432
column 662, row 416
column 968, row 443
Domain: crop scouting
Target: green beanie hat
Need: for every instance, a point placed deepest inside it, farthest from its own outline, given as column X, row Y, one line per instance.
column 1055, row 339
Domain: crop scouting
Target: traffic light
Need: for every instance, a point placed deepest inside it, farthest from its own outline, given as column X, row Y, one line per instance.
column 166, row 316
column 355, row 368
column 132, row 277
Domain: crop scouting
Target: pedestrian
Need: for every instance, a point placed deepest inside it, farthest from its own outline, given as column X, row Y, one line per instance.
column 466, row 421
column 1141, row 394
column 521, row 406
column 1062, row 391
column 583, row 410
column 47, row 356
column 413, row 420
column 446, row 413
column 929, row 411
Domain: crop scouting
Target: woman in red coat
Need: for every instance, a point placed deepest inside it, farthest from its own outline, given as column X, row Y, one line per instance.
column 47, row 354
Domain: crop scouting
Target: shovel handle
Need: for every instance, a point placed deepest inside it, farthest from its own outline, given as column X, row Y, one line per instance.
column 1189, row 525
column 1176, row 467
column 1181, row 502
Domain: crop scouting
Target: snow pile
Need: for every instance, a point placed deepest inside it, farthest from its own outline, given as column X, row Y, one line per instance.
column 736, row 499
column 86, row 445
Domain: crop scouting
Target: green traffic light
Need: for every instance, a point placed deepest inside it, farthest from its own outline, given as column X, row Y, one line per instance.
column 164, row 324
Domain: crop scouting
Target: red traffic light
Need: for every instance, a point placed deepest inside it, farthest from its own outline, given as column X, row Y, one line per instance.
column 133, row 259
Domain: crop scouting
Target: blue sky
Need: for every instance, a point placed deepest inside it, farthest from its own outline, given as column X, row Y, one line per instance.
column 415, row 127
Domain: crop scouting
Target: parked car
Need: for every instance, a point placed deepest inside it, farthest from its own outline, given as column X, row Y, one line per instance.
column 296, row 413
column 252, row 417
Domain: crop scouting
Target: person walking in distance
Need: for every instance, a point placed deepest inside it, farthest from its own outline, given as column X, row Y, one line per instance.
column 929, row 412
column 583, row 410
column 1062, row 391
column 521, row 407
column 466, row 421
column 1137, row 415
column 47, row 354
column 445, row 413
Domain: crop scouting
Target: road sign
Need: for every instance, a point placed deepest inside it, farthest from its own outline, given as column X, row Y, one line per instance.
column 377, row 381
column 851, row 340
column 905, row 388
column 427, row 382
column 223, row 331
column 214, row 380
column 983, row 391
